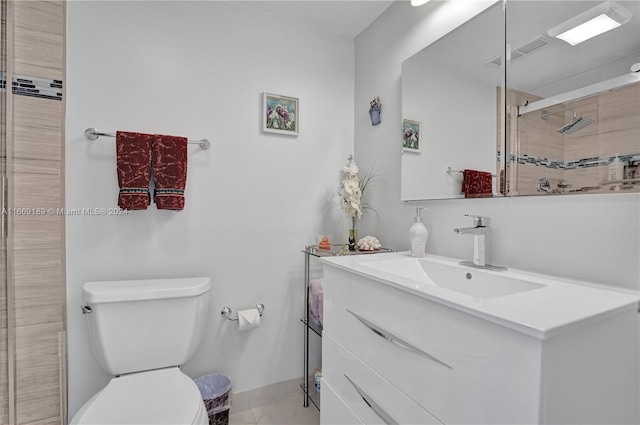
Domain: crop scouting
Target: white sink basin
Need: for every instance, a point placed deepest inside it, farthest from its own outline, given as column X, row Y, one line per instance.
column 536, row 304
column 476, row 283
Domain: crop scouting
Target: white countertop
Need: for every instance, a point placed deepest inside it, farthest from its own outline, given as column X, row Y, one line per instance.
column 558, row 306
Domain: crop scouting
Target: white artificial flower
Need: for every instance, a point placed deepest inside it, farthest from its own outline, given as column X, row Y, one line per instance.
column 350, row 191
column 350, row 186
column 351, row 168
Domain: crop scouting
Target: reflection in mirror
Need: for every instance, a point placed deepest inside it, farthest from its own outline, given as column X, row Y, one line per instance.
column 573, row 110
column 454, row 95
column 572, row 118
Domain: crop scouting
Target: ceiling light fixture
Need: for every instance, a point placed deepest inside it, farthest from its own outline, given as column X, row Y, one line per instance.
column 588, row 24
column 416, row 3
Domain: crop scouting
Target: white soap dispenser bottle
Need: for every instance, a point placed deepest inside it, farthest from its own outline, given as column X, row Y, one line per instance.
column 616, row 169
column 418, row 235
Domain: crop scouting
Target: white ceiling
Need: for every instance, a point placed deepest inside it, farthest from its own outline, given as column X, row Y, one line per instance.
column 555, row 68
column 344, row 18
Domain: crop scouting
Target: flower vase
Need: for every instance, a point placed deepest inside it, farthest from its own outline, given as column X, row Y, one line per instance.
column 376, row 116
column 353, row 239
column 375, row 112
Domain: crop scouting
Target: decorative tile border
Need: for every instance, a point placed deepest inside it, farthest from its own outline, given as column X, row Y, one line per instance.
column 591, row 162
column 25, row 85
column 44, row 88
column 536, row 160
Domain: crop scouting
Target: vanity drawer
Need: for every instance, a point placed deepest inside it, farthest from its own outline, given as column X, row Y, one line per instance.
column 334, row 410
column 460, row 368
column 355, row 382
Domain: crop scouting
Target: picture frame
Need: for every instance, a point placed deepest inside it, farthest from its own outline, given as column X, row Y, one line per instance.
column 411, row 136
column 280, row 114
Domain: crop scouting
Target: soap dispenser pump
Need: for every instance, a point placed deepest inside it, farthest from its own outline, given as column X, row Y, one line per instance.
column 418, row 235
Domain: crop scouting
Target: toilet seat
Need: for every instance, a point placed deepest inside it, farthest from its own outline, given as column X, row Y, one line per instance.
column 163, row 396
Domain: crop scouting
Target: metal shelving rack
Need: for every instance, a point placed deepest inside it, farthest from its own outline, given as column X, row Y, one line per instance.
column 309, row 326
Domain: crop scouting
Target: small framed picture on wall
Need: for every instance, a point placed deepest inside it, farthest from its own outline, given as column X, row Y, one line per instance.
column 280, row 114
column 411, row 136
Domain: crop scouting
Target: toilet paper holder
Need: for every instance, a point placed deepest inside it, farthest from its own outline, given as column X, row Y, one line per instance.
column 227, row 312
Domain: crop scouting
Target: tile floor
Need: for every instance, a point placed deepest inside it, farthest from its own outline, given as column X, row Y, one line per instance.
column 279, row 404
column 288, row 411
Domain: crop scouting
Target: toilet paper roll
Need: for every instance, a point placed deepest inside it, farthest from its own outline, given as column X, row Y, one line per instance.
column 248, row 319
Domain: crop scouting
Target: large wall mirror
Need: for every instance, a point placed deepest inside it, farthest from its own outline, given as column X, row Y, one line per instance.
column 569, row 121
column 452, row 93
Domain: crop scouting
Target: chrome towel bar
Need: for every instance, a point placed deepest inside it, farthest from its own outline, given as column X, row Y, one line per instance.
column 93, row 134
column 451, row 170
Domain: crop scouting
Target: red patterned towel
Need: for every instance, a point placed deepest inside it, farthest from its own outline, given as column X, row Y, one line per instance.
column 133, row 158
column 477, row 184
column 170, row 171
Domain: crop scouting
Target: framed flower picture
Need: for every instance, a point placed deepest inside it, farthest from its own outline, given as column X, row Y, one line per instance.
column 411, row 136
column 280, row 114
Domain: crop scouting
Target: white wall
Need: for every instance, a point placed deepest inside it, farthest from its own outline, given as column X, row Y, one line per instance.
column 253, row 200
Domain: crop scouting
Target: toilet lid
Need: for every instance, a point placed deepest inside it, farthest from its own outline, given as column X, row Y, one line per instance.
column 164, row 396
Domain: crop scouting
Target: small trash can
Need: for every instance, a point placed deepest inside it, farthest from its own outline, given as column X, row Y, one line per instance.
column 216, row 394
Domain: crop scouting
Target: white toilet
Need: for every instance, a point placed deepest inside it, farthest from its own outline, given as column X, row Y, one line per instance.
column 141, row 331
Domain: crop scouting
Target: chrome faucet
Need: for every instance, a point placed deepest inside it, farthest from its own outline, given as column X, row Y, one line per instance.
column 481, row 243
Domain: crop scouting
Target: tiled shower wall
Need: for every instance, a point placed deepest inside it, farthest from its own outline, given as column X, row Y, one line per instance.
column 579, row 160
column 35, row 254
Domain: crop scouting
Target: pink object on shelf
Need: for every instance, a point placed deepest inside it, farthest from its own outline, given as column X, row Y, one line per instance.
column 315, row 300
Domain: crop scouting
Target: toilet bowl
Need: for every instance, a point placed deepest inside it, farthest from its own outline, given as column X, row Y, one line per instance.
column 141, row 331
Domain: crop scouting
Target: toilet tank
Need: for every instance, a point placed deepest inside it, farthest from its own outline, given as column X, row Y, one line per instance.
column 138, row 325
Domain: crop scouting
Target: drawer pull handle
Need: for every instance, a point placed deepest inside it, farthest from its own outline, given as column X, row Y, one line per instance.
column 396, row 340
column 386, row 418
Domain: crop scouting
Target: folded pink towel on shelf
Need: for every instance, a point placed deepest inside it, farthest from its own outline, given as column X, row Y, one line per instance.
column 133, row 161
column 315, row 300
column 170, row 171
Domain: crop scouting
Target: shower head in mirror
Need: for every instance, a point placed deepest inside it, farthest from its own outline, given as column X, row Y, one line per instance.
column 575, row 125
column 578, row 123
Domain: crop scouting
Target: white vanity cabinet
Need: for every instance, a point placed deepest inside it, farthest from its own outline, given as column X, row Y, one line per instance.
column 371, row 397
column 339, row 413
column 421, row 361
